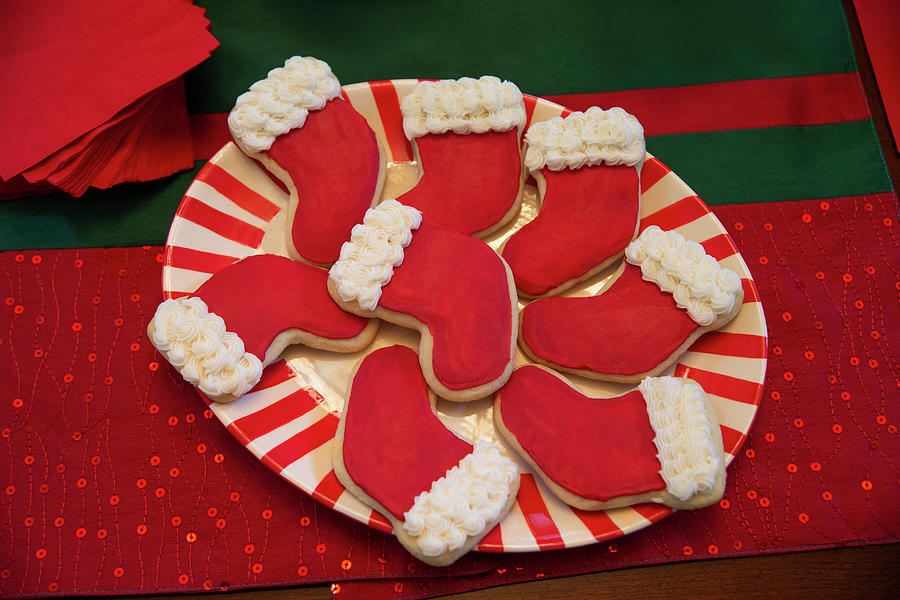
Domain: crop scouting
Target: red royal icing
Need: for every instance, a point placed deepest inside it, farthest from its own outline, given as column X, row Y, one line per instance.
column 334, row 163
column 394, row 446
column 630, row 328
column 587, row 216
column 469, row 182
column 595, row 448
column 457, row 286
column 263, row 295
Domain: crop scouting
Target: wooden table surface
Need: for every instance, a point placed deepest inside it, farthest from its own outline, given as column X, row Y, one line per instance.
column 855, row 572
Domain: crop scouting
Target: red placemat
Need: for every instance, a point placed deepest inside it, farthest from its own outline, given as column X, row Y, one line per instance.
column 119, row 480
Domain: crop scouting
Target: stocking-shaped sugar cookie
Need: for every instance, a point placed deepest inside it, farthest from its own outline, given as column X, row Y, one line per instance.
column 667, row 294
column 452, row 288
column 298, row 126
column 220, row 337
column 658, row 443
column 465, row 135
column 441, row 494
column 587, row 167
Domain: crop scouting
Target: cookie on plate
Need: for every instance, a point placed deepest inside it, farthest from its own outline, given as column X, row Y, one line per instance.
column 240, row 320
column 667, row 294
column 441, row 494
column 658, row 443
column 297, row 125
column 588, row 169
column 452, row 288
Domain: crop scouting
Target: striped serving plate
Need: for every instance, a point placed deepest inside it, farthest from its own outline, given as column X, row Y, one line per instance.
column 234, row 209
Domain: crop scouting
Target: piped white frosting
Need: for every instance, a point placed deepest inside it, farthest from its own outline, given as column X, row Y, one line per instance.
column 684, row 435
column 281, row 102
column 462, row 106
column 196, row 343
column 682, row 267
column 462, row 503
column 376, row 246
column 595, row 136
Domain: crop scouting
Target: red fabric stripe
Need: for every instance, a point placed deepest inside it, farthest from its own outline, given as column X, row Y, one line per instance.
column 530, row 104
column 751, row 294
column 301, row 443
column 676, row 214
column 600, row 525
column 275, row 415
column 230, row 187
column 726, row 386
column 392, row 119
column 735, row 104
column 377, row 521
column 329, row 490
column 224, row 224
column 542, row 527
column 197, row 260
column 732, row 439
column 744, row 345
column 879, row 21
column 652, row 171
column 720, row 246
column 652, row 512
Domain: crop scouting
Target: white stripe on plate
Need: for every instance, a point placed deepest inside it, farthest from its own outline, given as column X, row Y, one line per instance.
column 196, row 237
column 268, row 441
column 668, row 190
column 736, row 415
column 733, row 366
column 210, row 196
column 308, row 471
column 572, row 530
column 702, row 229
column 627, row 519
column 750, row 320
column 255, row 401
column 515, row 533
column 248, row 172
column 183, row 280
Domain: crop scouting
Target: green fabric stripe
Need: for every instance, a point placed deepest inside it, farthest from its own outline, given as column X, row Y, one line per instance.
column 777, row 163
column 545, row 48
column 125, row 215
column 722, row 167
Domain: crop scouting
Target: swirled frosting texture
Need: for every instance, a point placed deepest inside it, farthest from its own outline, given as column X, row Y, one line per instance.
column 281, row 102
column 589, row 138
column 682, row 267
column 376, row 246
column 462, row 106
column 196, row 343
column 462, row 503
column 684, row 435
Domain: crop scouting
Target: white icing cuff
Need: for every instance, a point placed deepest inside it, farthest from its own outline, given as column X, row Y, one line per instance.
column 196, row 343
column 590, row 138
column 281, row 102
column 462, row 503
column 682, row 267
column 376, row 246
column 462, row 106
column 684, row 435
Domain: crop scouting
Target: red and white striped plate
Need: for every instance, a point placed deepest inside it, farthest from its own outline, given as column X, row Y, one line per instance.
column 233, row 209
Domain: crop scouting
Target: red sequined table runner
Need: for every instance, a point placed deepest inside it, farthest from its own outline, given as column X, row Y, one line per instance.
column 118, row 480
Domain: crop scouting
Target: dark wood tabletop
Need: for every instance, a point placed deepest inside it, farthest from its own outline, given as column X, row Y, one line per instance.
column 853, row 572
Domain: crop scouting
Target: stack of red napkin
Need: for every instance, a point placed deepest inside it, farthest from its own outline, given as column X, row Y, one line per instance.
column 91, row 92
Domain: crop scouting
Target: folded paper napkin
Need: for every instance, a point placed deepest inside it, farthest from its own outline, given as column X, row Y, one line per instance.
column 93, row 94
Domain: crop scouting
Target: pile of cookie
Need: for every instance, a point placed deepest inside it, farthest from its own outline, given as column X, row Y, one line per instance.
column 419, row 261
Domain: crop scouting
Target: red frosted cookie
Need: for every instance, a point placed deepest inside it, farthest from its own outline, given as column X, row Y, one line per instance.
column 298, row 126
column 667, row 294
column 587, row 167
column 465, row 135
column 220, row 337
column 441, row 493
column 658, row 443
column 452, row 288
